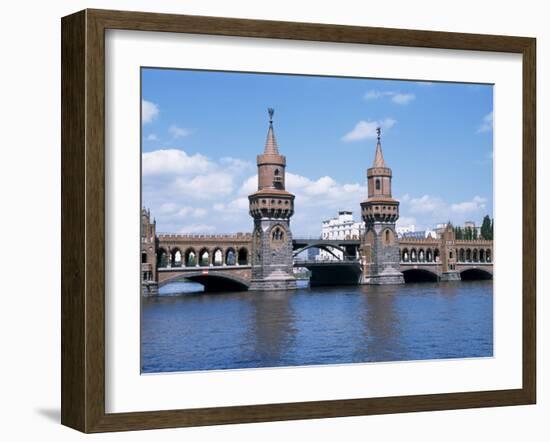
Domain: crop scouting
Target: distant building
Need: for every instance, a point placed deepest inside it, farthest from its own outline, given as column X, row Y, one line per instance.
column 402, row 230
column 430, row 233
column 341, row 227
column 472, row 225
column 467, row 224
column 312, row 254
column 420, row 234
column 411, row 232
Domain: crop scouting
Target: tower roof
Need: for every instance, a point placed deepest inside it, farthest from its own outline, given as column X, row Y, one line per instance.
column 271, row 147
column 378, row 157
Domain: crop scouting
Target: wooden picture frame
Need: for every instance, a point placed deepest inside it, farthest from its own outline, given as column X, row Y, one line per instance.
column 83, row 220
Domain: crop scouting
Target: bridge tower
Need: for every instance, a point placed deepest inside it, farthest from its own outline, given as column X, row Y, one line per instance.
column 271, row 206
column 449, row 255
column 380, row 245
column 149, row 276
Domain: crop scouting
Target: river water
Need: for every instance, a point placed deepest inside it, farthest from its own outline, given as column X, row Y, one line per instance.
column 186, row 329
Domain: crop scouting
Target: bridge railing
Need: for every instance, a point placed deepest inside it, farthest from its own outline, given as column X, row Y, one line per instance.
column 298, row 237
column 326, row 260
column 238, row 235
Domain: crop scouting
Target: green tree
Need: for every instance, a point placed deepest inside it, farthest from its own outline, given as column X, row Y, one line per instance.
column 486, row 228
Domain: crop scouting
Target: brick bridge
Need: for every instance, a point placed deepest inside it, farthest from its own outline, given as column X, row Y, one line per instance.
column 222, row 262
column 264, row 259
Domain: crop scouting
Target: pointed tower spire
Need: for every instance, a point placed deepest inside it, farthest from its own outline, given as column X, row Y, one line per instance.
column 271, row 147
column 378, row 157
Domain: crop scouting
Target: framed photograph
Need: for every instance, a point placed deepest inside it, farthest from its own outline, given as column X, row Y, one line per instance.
column 267, row 221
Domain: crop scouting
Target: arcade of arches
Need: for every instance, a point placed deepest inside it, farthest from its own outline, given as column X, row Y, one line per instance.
column 432, row 255
column 202, row 257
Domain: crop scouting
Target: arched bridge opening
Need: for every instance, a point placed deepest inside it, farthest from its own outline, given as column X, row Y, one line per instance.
column 211, row 282
column 475, row 274
column 325, row 252
column 332, row 252
column 333, row 273
column 419, row 275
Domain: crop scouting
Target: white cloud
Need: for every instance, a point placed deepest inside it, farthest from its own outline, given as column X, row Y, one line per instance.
column 487, row 124
column 403, row 98
column 406, row 221
column 183, row 189
column 197, row 228
column 367, row 129
column 167, row 208
column 187, row 211
column 149, row 111
column 325, row 192
column 236, row 165
column 178, row 132
column 250, row 185
column 174, row 161
column 429, row 210
column 374, row 95
column 318, row 187
column 207, row 186
column 238, row 205
column 152, row 137
column 425, row 204
column 475, row 204
column 395, row 97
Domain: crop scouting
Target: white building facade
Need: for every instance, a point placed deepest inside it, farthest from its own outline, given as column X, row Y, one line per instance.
column 341, row 227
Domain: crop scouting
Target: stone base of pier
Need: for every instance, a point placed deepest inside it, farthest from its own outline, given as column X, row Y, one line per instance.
column 149, row 288
column 384, row 279
column 450, row 276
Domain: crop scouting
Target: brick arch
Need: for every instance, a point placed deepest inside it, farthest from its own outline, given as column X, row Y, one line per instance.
column 204, row 257
column 190, row 257
column 230, row 256
column 176, row 252
column 429, row 255
column 162, row 257
column 388, row 237
column 243, row 256
column 213, row 281
column 419, row 275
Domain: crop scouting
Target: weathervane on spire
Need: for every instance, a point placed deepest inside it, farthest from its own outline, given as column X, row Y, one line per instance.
column 270, row 111
column 378, row 131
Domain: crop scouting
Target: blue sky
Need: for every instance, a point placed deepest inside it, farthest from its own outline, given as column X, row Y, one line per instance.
column 201, row 132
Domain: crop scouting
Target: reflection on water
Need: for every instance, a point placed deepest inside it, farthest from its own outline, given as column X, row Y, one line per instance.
column 185, row 329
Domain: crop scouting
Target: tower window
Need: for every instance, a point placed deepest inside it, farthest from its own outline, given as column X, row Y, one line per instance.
column 388, row 237
column 277, row 179
column 377, row 184
column 277, row 234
